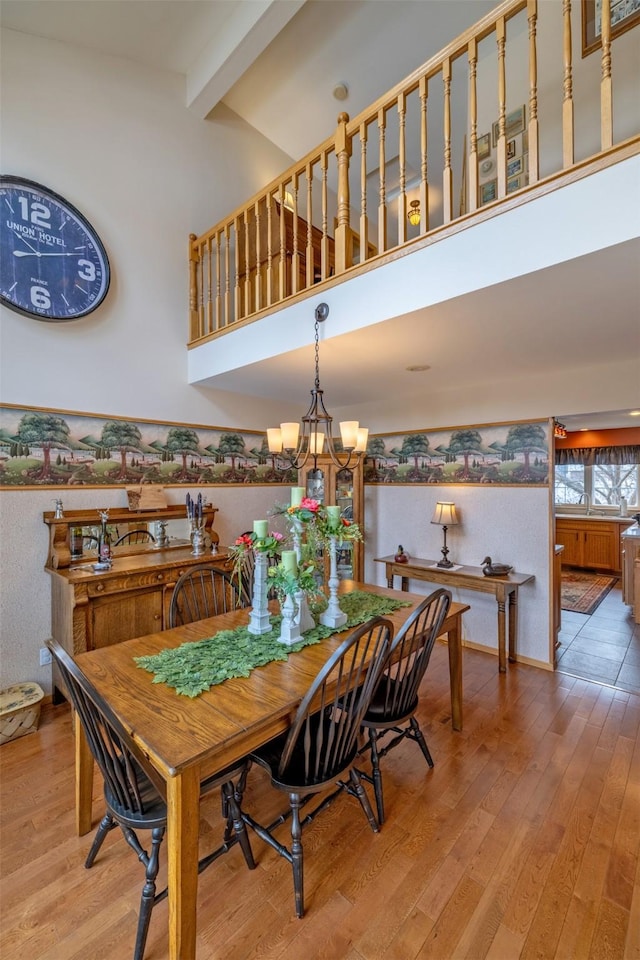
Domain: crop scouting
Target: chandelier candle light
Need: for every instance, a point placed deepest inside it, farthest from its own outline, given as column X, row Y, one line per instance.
column 295, row 446
column 445, row 515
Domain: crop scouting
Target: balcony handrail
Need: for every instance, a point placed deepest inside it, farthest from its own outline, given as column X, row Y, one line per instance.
column 305, row 228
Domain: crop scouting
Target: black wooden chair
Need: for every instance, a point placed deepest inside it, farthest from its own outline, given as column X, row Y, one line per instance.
column 394, row 703
column 133, row 790
column 204, row 591
column 135, row 536
column 322, row 745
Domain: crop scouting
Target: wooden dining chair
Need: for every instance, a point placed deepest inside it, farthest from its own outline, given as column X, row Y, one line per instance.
column 135, row 536
column 133, row 791
column 204, row 591
column 395, row 701
column 322, row 745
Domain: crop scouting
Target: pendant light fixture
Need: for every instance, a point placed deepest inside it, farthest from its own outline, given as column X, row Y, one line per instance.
column 296, row 442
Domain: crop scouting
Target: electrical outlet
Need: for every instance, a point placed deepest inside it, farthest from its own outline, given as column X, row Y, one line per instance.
column 45, row 656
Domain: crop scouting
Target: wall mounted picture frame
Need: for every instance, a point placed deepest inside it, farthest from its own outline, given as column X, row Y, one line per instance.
column 515, row 167
column 515, row 183
column 514, row 123
column 511, row 149
column 484, row 146
column 625, row 14
column 488, row 191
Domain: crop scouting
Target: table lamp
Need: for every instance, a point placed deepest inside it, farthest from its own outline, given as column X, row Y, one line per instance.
column 445, row 515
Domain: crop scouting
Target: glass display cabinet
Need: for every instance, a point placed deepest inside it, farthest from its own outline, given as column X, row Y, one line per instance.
column 342, row 487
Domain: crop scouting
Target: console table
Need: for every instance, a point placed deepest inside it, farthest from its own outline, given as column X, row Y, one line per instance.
column 468, row 578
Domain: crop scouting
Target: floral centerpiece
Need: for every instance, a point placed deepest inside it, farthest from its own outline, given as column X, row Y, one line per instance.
column 287, row 582
column 250, row 555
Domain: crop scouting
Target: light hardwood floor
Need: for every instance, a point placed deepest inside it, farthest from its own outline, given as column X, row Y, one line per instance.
column 523, row 842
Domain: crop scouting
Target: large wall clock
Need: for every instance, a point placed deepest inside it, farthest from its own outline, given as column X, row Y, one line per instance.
column 53, row 265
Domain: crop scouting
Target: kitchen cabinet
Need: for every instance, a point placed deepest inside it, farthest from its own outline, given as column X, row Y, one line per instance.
column 91, row 609
column 342, row 487
column 630, row 554
column 591, row 543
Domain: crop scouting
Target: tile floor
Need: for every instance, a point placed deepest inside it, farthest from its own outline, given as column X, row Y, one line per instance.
column 603, row 647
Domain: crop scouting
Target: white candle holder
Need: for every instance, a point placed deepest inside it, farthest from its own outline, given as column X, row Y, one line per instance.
column 289, row 630
column 333, row 616
column 259, row 621
column 302, row 615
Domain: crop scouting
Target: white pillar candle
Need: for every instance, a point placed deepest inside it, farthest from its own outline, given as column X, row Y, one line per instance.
column 290, row 562
column 297, row 493
column 260, row 528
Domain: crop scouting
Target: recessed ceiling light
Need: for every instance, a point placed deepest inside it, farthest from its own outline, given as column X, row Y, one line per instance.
column 634, row 413
column 341, row 91
column 418, row 367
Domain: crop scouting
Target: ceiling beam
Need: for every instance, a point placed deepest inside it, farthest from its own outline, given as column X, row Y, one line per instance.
column 241, row 40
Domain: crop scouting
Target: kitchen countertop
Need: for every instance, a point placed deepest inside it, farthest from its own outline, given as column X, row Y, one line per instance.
column 594, row 516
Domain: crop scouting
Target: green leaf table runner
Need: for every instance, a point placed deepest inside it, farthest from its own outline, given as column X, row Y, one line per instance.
column 194, row 667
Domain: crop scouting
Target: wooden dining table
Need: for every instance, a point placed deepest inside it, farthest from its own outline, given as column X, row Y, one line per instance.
column 189, row 739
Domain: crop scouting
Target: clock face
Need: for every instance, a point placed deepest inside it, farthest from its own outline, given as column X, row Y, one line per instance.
column 53, row 265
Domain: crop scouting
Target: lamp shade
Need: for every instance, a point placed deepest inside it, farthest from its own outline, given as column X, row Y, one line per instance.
column 445, row 513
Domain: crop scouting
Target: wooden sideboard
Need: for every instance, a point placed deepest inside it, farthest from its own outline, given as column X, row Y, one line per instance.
column 91, row 609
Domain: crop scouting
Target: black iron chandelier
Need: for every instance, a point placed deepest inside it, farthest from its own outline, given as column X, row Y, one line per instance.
column 296, row 442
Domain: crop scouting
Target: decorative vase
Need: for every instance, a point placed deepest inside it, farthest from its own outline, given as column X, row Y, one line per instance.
column 290, row 629
column 259, row 621
column 333, row 616
column 197, row 538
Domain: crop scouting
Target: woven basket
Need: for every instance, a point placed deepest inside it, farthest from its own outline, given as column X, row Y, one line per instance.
column 19, row 710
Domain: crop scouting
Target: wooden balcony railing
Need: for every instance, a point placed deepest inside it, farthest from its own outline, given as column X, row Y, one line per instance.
column 463, row 135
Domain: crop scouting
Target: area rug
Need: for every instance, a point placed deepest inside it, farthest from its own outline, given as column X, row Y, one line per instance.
column 583, row 592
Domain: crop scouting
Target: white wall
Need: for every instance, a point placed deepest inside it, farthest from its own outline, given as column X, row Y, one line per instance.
column 115, row 139
column 509, row 524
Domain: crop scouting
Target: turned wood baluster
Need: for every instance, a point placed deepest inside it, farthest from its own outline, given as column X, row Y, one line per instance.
column 567, row 88
column 606, row 90
column 194, row 333
column 258, row 276
column 309, row 173
column 324, row 242
column 402, row 163
column 200, row 282
column 236, row 285
column 472, row 199
column 502, row 109
column 269, row 250
column 424, row 169
column 534, row 152
column 343, row 230
column 382, row 202
column 227, row 275
column 209, row 287
column 364, row 220
column 282, row 264
column 447, row 173
column 247, row 262
column 218, row 282
column 295, row 257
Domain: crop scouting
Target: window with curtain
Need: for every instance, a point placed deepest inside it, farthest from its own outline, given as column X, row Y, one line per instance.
column 604, row 474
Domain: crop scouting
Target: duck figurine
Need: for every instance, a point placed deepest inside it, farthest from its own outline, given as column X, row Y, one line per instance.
column 495, row 569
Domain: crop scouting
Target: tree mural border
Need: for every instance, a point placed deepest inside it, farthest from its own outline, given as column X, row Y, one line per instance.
column 515, row 453
column 45, row 448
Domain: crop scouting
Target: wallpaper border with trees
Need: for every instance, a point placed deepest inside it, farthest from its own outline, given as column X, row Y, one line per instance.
column 40, row 447
column 506, row 454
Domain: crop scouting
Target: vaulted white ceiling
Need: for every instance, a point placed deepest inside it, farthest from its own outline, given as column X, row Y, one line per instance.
column 276, row 63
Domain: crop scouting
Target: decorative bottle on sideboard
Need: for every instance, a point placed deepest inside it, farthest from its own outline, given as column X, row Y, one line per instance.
column 104, row 540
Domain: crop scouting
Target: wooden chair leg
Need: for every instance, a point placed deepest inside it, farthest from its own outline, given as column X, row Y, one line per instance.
column 296, row 854
column 377, row 776
column 148, row 892
column 420, row 740
column 106, row 824
column 361, row 794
